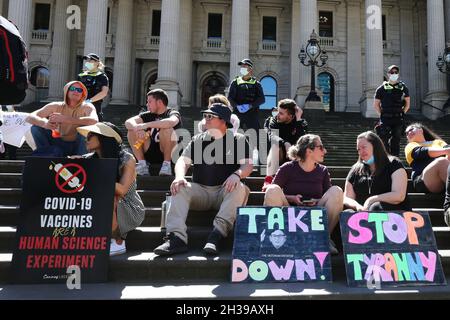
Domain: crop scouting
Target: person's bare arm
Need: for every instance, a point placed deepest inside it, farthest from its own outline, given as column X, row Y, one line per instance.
column 40, row 117
column 377, row 106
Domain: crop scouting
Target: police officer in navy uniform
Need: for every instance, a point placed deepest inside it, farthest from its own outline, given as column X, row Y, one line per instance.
column 246, row 95
column 392, row 101
column 96, row 82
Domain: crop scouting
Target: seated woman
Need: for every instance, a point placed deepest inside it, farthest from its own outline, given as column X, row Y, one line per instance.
column 104, row 140
column 305, row 182
column 376, row 182
column 425, row 153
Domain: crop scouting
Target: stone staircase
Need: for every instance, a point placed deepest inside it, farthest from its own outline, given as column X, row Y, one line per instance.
column 141, row 274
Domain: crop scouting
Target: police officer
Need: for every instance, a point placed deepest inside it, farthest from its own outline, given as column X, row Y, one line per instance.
column 392, row 101
column 246, row 95
column 96, row 82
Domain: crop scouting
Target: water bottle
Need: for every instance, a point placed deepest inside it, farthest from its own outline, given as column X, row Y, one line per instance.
column 165, row 206
column 255, row 157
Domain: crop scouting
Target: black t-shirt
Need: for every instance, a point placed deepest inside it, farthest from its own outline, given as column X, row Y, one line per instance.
column 365, row 185
column 150, row 117
column 214, row 160
column 94, row 82
column 287, row 132
column 391, row 97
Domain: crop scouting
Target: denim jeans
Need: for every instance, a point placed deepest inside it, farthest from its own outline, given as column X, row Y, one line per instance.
column 46, row 145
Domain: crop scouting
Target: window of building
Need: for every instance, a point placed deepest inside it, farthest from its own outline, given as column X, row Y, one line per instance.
column 214, row 25
column 383, row 22
column 269, row 85
column 40, row 77
column 42, row 16
column 108, row 20
column 269, row 29
column 156, row 23
column 326, row 24
column 325, row 81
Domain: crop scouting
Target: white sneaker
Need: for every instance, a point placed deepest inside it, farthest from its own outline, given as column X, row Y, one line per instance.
column 116, row 248
column 166, row 169
column 142, row 169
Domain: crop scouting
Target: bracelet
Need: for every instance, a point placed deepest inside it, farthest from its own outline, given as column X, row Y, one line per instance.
column 237, row 175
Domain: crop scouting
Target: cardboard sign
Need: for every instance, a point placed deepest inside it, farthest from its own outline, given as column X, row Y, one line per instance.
column 14, row 128
column 281, row 244
column 390, row 249
column 65, row 220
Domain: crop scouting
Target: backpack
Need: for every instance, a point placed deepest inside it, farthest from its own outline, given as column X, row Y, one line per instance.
column 13, row 64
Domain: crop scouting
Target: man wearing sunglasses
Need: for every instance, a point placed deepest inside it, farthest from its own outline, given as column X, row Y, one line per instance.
column 220, row 159
column 55, row 125
column 392, row 101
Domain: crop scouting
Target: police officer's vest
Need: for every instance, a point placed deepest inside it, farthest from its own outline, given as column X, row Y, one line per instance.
column 397, row 103
column 89, row 79
column 246, row 90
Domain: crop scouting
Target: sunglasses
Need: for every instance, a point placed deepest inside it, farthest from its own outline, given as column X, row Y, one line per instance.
column 90, row 135
column 321, row 147
column 410, row 130
column 79, row 90
column 209, row 116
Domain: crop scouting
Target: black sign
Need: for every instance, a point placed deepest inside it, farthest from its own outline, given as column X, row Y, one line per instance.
column 274, row 244
column 65, row 220
column 390, row 249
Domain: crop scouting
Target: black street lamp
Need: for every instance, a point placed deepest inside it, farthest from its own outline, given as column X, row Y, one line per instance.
column 313, row 52
column 443, row 61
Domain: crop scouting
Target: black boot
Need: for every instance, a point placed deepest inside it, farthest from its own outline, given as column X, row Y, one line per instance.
column 211, row 246
column 172, row 245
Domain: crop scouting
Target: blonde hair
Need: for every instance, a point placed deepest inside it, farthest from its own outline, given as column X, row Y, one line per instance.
column 219, row 98
column 298, row 151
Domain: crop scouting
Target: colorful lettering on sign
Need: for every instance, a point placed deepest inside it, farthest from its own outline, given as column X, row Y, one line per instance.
column 388, row 267
column 393, row 226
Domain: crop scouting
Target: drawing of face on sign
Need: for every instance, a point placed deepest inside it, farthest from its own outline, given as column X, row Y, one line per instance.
column 277, row 238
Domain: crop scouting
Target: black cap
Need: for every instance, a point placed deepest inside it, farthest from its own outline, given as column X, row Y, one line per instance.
column 91, row 56
column 247, row 62
column 220, row 110
column 393, row 67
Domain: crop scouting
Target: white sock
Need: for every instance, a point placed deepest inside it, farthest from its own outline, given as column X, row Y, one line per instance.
column 168, row 162
column 142, row 162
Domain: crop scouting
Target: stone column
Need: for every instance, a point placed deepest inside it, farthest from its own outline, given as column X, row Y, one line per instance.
column 95, row 36
column 295, row 48
column 185, row 53
column 447, row 21
column 123, row 54
column 408, row 59
column 60, row 61
column 1, row 8
column 20, row 13
column 437, row 92
column 240, row 35
column 374, row 56
column 168, row 51
column 308, row 22
column 354, row 59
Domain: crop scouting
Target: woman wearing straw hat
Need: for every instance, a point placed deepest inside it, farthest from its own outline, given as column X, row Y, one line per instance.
column 104, row 140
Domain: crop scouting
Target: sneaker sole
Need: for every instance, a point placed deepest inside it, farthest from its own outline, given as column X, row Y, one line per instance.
column 210, row 251
column 169, row 253
column 116, row 253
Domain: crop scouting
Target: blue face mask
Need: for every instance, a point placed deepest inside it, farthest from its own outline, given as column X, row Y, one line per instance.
column 370, row 161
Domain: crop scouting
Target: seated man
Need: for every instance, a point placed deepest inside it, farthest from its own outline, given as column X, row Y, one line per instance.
column 151, row 133
column 284, row 129
column 55, row 125
column 220, row 160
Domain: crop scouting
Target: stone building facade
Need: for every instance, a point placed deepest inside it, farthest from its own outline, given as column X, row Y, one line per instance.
column 191, row 47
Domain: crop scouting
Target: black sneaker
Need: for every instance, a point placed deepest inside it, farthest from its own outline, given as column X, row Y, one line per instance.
column 172, row 245
column 211, row 246
column 447, row 217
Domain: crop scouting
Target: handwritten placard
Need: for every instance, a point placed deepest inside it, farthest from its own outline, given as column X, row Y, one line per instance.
column 281, row 244
column 65, row 220
column 14, row 128
column 390, row 249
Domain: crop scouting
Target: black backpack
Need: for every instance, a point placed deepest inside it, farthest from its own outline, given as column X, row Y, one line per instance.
column 13, row 64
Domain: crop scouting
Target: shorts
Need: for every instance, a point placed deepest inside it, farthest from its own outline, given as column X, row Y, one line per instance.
column 419, row 185
column 154, row 155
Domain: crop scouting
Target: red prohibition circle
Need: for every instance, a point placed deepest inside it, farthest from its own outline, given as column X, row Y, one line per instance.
column 80, row 171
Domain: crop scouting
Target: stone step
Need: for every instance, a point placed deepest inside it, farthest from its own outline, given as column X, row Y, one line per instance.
column 11, row 196
column 194, row 266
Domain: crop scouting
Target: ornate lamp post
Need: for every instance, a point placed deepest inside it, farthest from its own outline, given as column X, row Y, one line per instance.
column 314, row 53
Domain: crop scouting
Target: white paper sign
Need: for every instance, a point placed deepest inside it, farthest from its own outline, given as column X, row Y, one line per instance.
column 14, row 128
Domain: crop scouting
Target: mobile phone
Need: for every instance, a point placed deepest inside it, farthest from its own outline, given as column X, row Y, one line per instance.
column 309, row 201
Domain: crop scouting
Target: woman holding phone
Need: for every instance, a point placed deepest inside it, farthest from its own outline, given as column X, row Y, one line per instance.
column 305, row 182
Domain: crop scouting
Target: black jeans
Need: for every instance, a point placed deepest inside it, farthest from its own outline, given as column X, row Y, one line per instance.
column 390, row 131
column 250, row 120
